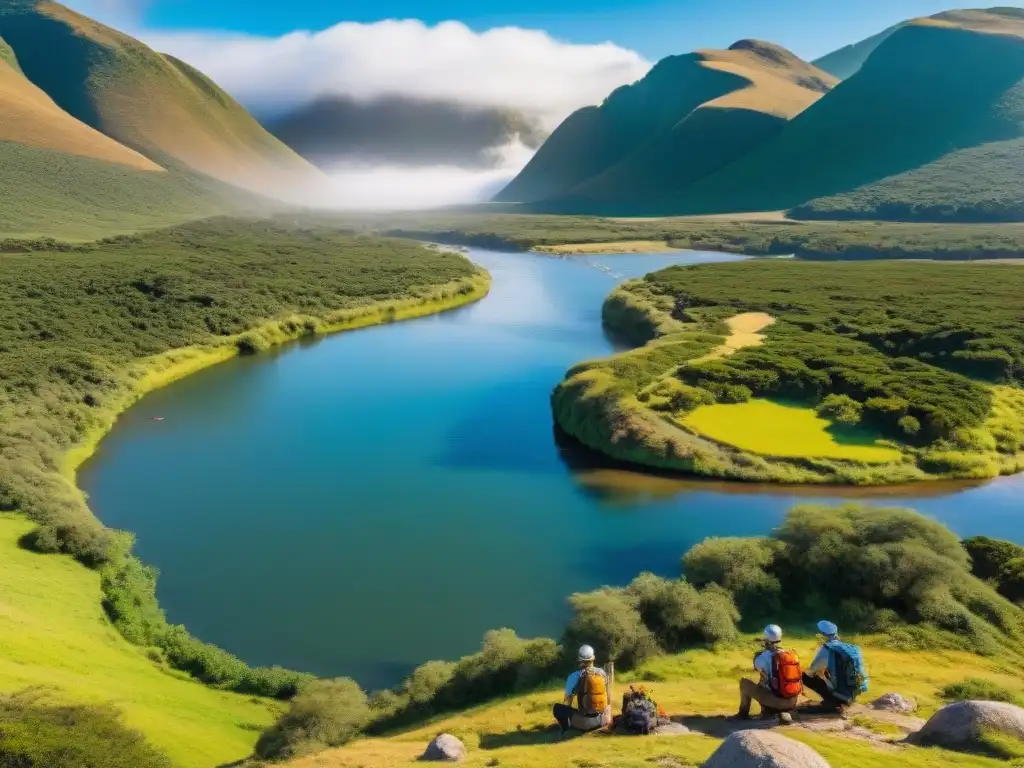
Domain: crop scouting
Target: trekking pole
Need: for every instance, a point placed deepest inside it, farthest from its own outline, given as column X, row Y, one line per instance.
column 609, row 668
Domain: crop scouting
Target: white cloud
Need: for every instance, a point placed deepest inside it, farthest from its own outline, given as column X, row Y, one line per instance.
column 510, row 67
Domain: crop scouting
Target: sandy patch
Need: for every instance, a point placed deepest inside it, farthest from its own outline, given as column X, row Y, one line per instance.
column 744, row 331
column 619, row 246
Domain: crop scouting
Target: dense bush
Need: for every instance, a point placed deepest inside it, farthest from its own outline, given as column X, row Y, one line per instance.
column 328, row 713
column 842, row 409
column 875, row 567
column 978, row 689
column 37, row 734
column 609, row 621
column 990, row 556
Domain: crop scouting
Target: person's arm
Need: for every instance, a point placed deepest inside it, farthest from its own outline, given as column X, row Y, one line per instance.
column 819, row 666
column 570, row 688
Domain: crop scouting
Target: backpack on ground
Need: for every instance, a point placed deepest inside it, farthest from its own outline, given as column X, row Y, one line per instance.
column 639, row 712
column 787, row 678
column 847, row 671
column 592, row 692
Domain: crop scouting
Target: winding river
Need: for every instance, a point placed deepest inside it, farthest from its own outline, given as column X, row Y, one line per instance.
column 362, row 503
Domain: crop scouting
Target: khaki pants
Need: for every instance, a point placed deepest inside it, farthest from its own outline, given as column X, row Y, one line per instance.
column 751, row 691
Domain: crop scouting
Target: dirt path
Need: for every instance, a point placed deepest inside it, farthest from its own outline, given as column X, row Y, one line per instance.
column 744, row 331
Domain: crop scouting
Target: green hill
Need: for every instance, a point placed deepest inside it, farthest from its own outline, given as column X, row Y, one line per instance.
column 940, row 96
column 689, row 116
column 846, row 61
column 155, row 104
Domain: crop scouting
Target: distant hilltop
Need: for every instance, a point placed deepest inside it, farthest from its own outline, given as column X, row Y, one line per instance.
column 926, row 125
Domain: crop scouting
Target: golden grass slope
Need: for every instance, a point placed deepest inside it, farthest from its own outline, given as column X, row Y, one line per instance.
column 155, row 104
column 778, row 83
column 28, row 116
column 991, row 21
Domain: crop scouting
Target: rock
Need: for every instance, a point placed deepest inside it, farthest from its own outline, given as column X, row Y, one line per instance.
column 961, row 724
column 445, row 749
column 894, row 702
column 764, row 749
column 671, row 729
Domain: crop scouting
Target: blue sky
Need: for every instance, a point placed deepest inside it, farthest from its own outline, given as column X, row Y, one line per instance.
column 652, row 27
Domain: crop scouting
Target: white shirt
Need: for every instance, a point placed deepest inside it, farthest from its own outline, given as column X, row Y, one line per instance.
column 819, row 667
column 574, row 680
column 763, row 664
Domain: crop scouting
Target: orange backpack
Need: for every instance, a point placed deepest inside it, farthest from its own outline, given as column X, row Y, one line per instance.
column 592, row 692
column 787, row 677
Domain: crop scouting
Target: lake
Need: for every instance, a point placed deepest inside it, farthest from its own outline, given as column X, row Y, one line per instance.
column 362, row 503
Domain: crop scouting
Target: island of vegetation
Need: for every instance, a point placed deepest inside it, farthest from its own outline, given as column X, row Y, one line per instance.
column 795, row 372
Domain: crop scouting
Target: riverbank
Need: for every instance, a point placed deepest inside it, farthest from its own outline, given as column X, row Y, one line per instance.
column 90, row 330
column 674, row 403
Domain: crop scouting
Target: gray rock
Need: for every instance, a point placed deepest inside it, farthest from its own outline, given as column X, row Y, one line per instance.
column 764, row 749
column 961, row 724
column 671, row 729
column 445, row 749
column 894, row 702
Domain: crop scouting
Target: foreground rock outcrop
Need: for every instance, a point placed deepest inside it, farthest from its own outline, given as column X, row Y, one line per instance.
column 894, row 702
column 445, row 748
column 764, row 749
column 962, row 724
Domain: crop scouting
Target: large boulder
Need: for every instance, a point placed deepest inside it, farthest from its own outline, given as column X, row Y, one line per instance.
column 961, row 724
column 764, row 749
column 445, row 749
column 894, row 702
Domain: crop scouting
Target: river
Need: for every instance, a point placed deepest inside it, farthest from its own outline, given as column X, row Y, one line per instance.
column 362, row 503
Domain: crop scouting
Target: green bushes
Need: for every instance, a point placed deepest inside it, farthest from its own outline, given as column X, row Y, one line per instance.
column 978, row 689
column 999, row 562
column 841, row 409
column 649, row 616
column 37, row 734
column 875, row 567
column 328, row 713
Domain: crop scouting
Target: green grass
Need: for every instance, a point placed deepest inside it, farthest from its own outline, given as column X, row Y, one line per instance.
column 69, row 197
column 778, row 429
column 53, row 633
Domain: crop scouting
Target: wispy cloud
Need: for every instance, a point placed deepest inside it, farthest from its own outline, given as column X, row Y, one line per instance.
column 503, row 67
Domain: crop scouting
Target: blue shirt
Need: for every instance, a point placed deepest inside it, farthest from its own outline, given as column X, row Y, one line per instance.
column 574, row 680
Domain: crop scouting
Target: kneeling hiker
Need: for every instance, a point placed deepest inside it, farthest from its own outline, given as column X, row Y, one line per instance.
column 589, row 686
column 780, row 685
column 837, row 673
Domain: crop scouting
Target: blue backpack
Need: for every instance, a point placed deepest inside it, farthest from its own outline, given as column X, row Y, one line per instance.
column 847, row 671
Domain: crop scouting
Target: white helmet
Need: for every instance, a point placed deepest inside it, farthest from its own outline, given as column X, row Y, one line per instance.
column 827, row 628
column 586, row 653
column 772, row 634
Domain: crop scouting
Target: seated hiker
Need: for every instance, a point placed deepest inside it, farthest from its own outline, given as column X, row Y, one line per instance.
column 837, row 673
column 780, row 684
column 589, row 686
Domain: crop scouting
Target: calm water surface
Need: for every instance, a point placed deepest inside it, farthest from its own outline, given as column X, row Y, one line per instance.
column 360, row 504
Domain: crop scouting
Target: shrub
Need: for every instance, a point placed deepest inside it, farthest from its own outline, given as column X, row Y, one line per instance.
column 909, row 425
column 990, row 556
column 608, row 620
column 679, row 615
column 251, row 343
column 328, row 713
column 37, row 734
column 1011, row 580
column 978, row 689
column 739, row 565
column 841, row 409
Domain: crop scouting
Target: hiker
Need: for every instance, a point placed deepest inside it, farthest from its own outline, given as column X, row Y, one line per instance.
column 837, row 673
column 589, row 686
column 780, row 685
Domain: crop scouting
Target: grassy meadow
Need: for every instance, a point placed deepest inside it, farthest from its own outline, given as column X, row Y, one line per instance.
column 54, row 634
column 927, row 356
column 783, row 429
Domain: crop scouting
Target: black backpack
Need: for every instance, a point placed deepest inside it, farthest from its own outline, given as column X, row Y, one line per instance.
column 639, row 714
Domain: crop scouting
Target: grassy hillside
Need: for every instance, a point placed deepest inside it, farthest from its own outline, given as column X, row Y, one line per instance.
column 688, row 116
column 846, row 61
column 933, row 89
column 154, row 104
column 54, row 633
column 934, row 379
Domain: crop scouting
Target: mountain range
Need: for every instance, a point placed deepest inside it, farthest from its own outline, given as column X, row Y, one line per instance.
column 928, row 124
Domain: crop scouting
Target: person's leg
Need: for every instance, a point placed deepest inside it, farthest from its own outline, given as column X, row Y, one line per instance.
column 820, row 687
column 563, row 714
column 748, row 689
